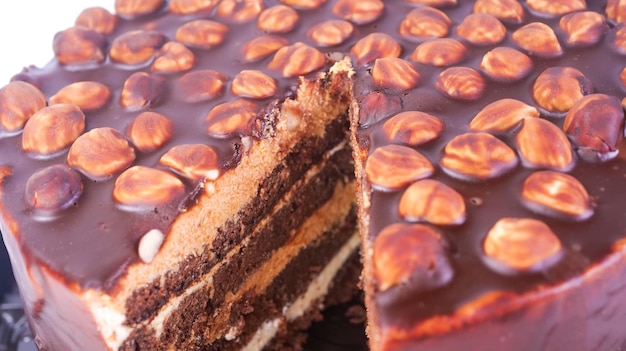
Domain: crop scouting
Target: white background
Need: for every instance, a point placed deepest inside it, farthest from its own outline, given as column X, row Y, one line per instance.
column 28, row 26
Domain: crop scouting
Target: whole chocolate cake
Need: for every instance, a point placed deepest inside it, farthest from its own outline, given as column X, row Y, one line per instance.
column 191, row 174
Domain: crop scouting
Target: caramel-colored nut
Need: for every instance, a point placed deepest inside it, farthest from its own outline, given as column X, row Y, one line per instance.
column 98, row 19
column 232, row 118
column 79, row 46
column 477, row 156
column 142, row 90
column 137, row 8
column 439, row 52
column 187, row 7
column 583, row 29
column 254, row 84
column 201, row 34
column 461, row 83
column 558, row 88
column 376, row 106
column 556, row 8
column 18, row 101
column 52, row 129
column 411, row 253
column 619, row 40
column 433, row 3
column 87, row 95
column 557, row 194
column 481, row 29
column 5, row 171
column 616, row 10
column 393, row 167
column 240, row 11
column 297, row 59
column 100, row 153
column 304, row 4
column 542, row 144
column 595, row 126
column 506, row 65
column 261, row 47
column 373, row 46
column 432, row 201
column 538, row 39
column 502, row 116
column 413, row 128
column 510, row 11
column 150, row 244
column 624, row 103
column 622, row 77
column 521, row 245
column 359, row 12
column 278, row 19
column 424, row 23
column 201, row 85
column 53, row 189
column 331, row 33
column 395, row 73
column 173, row 57
column 193, row 161
column 136, row 47
column 149, row 131
column 143, row 188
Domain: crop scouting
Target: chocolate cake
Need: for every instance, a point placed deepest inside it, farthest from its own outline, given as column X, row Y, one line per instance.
column 190, row 174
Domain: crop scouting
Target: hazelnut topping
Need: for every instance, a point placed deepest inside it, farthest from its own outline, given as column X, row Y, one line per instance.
column 278, row 19
column 331, row 33
column 502, row 115
column 425, row 23
column 583, row 28
column 538, row 39
column 393, row 167
column 79, row 46
column 254, row 84
column 373, row 46
column 87, row 95
column 359, row 12
column 172, row 58
column 506, row 65
column 413, row 128
column 53, row 189
column 231, row 118
column 481, row 29
column 432, row 201
column 52, row 129
column 149, row 131
column 542, row 144
column 142, row 90
column 18, row 102
column 439, row 52
column 98, row 19
column 187, row 7
column 137, row 8
column 395, row 74
column 505, row 10
column 461, row 83
column 297, row 59
column 136, row 47
column 201, row 34
column 142, row 188
column 261, row 47
column 556, row 89
column 192, row 161
column 556, row 8
column 201, row 85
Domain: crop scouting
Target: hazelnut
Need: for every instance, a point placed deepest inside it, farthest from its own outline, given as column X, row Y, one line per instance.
column 622, row 77
column 201, row 85
column 404, row 253
column 583, row 29
column 619, row 39
column 79, row 46
column 188, row 7
column 232, row 118
column 192, row 161
column 52, row 129
column 506, row 65
column 432, row 201
column 142, row 90
column 201, row 34
column 297, row 59
column 136, row 47
column 521, row 245
column 18, row 102
column 261, row 47
column 616, row 10
column 542, row 144
column 395, row 74
column 239, row 11
column 98, row 19
column 481, row 29
column 376, row 106
column 556, row 194
column 100, row 153
column 373, row 46
column 502, row 116
column 425, row 23
column 278, row 19
column 477, row 156
column 556, row 8
column 87, row 95
column 304, row 4
column 595, row 125
column 413, row 128
column 331, row 33
column 556, row 89
column 359, row 12
column 538, row 39
column 172, row 58
column 510, row 11
column 254, row 84
column 433, row 3
column 461, row 83
column 393, row 167
column 53, row 189
column 150, row 244
column 137, row 8
column 143, row 188
column 149, row 131
column 439, row 52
